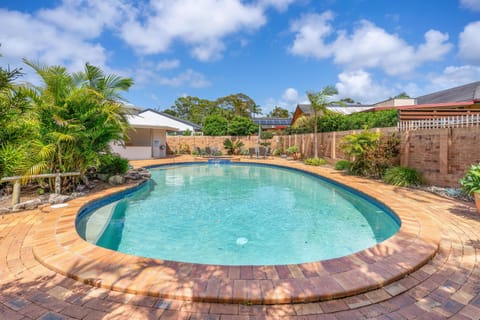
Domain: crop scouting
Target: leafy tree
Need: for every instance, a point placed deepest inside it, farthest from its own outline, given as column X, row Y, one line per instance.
column 170, row 112
column 194, row 109
column 239, row 104
column 401, row 95
column 279, row 112
column 319, row 102
column 241, row 126
column 215, row 125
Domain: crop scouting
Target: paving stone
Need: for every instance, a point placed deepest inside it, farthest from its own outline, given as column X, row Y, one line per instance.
column 448, row 286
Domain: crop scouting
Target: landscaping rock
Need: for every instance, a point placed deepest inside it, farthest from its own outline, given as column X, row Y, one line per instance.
column 58, row 198
column 102, row 177
column 116, row 180
column 77, row 194
column 137, row 174
column 27, row 205
column 4, row 210
column 80, row 188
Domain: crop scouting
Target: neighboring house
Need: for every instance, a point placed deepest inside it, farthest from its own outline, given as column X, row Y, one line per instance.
column 273, row 124
column 305, row 110
column 441, row 108
column 457, row 102
column 148, row 139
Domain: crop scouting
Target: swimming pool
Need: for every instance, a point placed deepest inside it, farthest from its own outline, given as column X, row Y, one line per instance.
column 237, row 214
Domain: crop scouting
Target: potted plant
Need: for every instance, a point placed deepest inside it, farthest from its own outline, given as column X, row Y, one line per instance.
column 471, row 183
column 293, row 151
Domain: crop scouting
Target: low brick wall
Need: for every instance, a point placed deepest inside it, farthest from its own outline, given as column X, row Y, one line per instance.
column 187, row 144
column 441, row 155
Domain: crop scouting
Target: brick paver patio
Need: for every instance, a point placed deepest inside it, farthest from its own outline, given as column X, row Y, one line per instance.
column 403, row 278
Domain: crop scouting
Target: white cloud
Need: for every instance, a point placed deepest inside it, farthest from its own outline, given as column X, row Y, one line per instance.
column 368, row 46
column 469, row 44
column 187, row 78
column 453, row 76
column 290, row 95
column 473, row 5
column 201, row 27
column 24, row 35
column 168, row 64
column 359, row 86
column 310, row 33
column 280, row 5
column 288, row 100
column 85, row 18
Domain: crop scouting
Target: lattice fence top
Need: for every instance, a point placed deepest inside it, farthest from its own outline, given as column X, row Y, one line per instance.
column 462, row 121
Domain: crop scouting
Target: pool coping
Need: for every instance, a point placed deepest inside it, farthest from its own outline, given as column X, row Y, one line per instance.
column 61, row 249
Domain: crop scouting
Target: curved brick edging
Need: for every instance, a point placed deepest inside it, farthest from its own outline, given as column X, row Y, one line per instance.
column 58, row 247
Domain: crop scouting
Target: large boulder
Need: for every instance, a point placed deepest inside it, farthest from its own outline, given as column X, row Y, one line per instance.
column 116, row 180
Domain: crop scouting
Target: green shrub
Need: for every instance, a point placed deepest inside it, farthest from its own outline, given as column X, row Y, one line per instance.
column 343, row 165
column 471, row 181
column 402, row 176
column 370, row 153
column 293, row 149
column 112, row 164
column 277, row 152
column 315, row 161
column 265, row 135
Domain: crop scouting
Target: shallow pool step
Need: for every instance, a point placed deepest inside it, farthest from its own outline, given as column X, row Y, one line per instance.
column 97, row 222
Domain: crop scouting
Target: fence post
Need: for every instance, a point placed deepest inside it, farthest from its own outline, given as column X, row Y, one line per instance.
column 16, row 193
column 58, row 184
column 445, row 137
column 334, row 145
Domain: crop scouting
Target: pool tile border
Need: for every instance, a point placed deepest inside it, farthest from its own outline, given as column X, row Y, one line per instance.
column 58, row 247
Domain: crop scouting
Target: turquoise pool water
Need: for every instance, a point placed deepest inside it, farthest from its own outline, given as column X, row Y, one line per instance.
column 238, row 214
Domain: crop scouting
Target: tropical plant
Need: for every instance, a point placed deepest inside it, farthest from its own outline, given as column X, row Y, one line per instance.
column 342, row 165
column 232, row 146
column 78, row 116
column 370, row 154
column 315, row 161
column 277, row 152
column 402, row 176
column 319, row 102
column 471, row 181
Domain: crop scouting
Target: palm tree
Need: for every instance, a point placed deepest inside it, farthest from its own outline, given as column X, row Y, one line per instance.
column 319, row 102
column 79, row 114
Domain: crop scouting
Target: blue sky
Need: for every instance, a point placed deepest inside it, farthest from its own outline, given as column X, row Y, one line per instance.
column 272, row 50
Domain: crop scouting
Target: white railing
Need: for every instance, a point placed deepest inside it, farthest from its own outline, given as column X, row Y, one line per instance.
column 462, row 121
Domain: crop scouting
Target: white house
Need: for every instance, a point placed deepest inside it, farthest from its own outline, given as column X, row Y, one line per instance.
column 148, row 139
